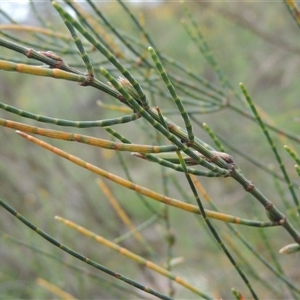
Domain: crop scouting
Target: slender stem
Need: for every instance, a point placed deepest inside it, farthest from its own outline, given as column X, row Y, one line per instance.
column 100, row 280
column 273, row 147
column 102, row 50
column 80, row 256
column 213, row 230
column 80, row 47
column 62, row 122
column 39, row 71
column 167, row 132
column 173, row 93
column 129, row 254
column 142, row 190
column 123, row 216
column 85, row 139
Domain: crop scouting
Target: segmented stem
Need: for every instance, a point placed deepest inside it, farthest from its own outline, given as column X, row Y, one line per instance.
column 78, row 255
column 214, row 137
column 273, row 147
column 169, row 164
column 137, row 258
column 173, row 93
column 161, row 128
column 85, row 139
column 62, row 122
column 39, row 71
column 103, row 50
column 142, row 190
column 80, row 47
column 213, row 230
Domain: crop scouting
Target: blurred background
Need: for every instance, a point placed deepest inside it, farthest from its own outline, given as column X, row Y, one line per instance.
column 254, row 43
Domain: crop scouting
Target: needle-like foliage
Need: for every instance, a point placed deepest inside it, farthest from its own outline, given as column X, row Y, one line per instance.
column 173, row 198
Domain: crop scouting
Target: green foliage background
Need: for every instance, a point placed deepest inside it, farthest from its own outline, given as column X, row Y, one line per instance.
column 254, row 43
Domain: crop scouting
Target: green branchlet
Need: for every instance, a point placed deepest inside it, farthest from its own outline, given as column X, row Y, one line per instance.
column 185, row 149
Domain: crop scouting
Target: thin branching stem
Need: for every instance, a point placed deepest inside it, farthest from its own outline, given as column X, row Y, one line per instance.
column 214, row 231
column 133, row 256
column 69, row 123
column 142, row 190
column 89, row 140
column 273, row 147
column 78, row 255
column 102, row 49
column 167, row 133
column 173, row 93
column 80, row 47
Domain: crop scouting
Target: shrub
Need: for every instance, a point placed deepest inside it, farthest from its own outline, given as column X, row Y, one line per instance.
column 186, row 228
